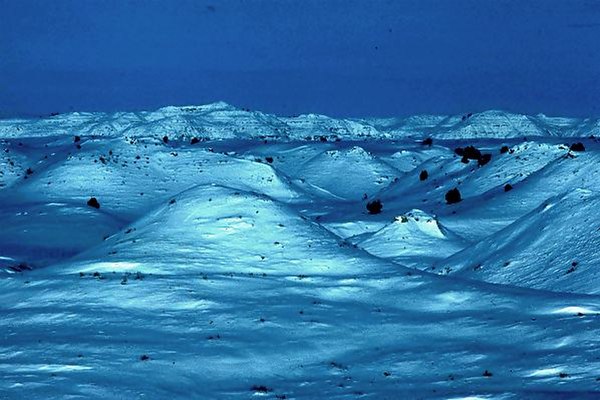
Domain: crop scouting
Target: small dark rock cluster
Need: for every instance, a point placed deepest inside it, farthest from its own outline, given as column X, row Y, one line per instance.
column 20, row 267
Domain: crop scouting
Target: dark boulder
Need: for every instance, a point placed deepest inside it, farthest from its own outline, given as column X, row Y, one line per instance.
column 93, row 202
column 504, row 149
column 577, row 147
column 165, row 139
column 423, row 175
column 374, row 207
column 269, row 159
column 453, row 196
column 507, row 187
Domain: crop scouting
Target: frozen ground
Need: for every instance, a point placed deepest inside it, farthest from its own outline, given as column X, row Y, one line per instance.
column 246, row 265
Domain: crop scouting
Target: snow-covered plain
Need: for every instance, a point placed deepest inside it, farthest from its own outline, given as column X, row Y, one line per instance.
column 232, row 256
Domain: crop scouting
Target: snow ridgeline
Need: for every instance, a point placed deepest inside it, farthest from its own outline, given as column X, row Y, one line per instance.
column 222, row 121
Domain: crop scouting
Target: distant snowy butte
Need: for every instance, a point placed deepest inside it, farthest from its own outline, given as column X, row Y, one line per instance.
column 217, row 252
column 224, row 121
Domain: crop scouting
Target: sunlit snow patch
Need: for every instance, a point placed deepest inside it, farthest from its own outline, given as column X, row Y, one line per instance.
column 575, row 310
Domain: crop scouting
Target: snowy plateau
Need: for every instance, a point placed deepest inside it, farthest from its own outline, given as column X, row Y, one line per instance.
column 211, row 252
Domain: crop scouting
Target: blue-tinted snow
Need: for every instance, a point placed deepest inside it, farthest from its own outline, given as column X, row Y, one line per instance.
column 247, row 265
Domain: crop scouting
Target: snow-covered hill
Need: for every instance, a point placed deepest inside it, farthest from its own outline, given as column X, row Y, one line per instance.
column 414, row 239
column 212, row 252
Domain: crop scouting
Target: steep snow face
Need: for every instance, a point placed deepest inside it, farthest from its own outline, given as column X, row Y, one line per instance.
column 494, row 124
column 480, row 216
column 245, row 263
column 315, row 124
column 555, row 247
column 415, row 239
column 512, row 167
column 13, row 164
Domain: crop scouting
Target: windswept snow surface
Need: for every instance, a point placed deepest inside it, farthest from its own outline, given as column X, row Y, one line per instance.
column 244, row 264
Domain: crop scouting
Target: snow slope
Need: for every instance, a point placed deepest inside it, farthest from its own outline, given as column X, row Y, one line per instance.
column 245, row 264
column 555, row 247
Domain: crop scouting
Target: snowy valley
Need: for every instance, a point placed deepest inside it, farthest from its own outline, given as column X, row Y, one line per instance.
column 215, row 252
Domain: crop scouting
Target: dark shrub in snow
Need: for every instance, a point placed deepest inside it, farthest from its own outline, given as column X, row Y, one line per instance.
column 374, row 206
column 427, row 142
column 577, row 147
column 504, row 149
column 260, row 389
column 453, row 196
column 423, row 175
column 487, row 373
column 195, row 140
column 29, row 171
column 165, row 139
column 507, row 187
column 93, row 202
column 76, row 139
column 20, row 267
column 471, row 153
column 484, row 159
column 269, row 159
column 144, row 357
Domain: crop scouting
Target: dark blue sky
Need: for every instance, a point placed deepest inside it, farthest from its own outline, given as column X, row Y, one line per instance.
column 338, row 57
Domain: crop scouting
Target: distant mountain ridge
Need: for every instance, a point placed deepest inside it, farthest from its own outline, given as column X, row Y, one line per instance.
column 223, row 121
